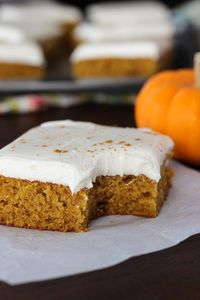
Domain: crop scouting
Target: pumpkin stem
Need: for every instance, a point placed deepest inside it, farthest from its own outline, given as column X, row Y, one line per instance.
column 197, row 69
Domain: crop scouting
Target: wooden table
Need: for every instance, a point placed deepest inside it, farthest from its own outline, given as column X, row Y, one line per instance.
column 170, row 274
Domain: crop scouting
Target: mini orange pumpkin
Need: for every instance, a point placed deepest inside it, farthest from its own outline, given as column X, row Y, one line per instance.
column 170, row 104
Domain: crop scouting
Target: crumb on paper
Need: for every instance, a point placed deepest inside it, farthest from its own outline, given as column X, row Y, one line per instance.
column 60, row 151
column 22, row 141
column 108, row 142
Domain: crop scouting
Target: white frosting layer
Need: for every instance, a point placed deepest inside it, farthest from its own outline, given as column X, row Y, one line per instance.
column 25, row 53
column 148, row 49
column 135, row 12
column 39, row 11
column 89, row 32
column 10, row 34
column 39, row 31
column 75, row 153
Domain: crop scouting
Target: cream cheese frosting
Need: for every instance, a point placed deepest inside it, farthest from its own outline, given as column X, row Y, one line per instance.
column 27, row 53
column 10, row 34
column 75, row 153
column 128, row 12
column 138, row 49
column 39, row 31
column 89, row 32
column 37, row 11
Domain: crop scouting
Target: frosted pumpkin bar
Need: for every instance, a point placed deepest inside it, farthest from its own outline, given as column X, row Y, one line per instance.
column 23, row 60
column 118, row 59
column 62, row 174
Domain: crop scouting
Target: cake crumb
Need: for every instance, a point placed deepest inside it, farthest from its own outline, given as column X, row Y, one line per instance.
column 108, row 142
column 60, row 151
column 121, row 142
column 22, row 141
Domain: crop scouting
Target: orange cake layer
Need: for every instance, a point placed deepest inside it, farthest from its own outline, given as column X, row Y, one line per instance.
column 114, row 67
column 20, row 71
column 49, row 206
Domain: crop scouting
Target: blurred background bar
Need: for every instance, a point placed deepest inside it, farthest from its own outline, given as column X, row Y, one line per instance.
column 90, row 50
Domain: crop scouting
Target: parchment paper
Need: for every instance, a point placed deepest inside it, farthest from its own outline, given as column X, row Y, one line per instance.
column 31, row 255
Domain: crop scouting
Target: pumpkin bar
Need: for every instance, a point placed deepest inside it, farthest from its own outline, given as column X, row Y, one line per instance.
column 117, row 59
column 22, row 61
column 47, row 22
column 62, row 174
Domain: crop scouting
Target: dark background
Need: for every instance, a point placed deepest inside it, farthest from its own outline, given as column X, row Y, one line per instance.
column 82, row 4
column 170, row 3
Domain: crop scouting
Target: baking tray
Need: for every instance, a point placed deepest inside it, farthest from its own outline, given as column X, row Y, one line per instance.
column 126, row 85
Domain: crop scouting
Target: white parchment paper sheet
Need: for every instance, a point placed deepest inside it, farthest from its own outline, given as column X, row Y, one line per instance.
column 31, row 255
